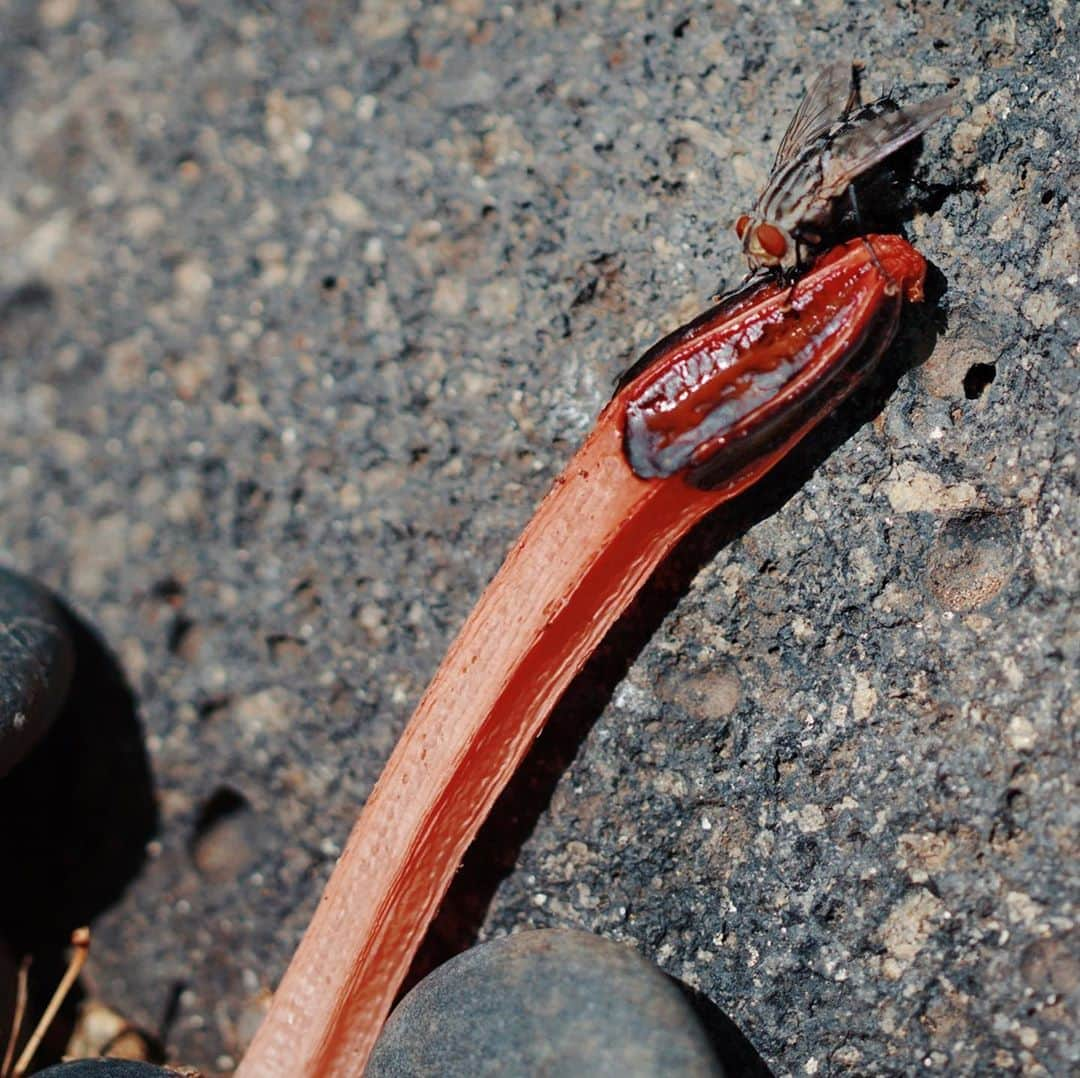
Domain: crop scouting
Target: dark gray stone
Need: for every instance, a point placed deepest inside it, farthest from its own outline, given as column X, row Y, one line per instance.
column 554, row 1002
column 36, row 663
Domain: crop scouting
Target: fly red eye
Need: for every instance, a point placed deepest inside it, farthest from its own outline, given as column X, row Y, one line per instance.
column 771, row 240
column 741, row 225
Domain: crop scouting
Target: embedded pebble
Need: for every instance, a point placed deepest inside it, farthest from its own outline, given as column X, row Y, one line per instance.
column 546, row 1002
column 971, row 560
column 36, row 662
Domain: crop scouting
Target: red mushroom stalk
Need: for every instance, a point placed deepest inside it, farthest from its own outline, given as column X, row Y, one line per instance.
column 716, row 406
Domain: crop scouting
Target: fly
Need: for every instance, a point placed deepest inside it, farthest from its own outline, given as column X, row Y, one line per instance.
column 830, row 142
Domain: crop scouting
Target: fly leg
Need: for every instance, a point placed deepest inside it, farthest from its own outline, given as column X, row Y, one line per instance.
column 805, row 243
column 749, row 282
column 862, row 233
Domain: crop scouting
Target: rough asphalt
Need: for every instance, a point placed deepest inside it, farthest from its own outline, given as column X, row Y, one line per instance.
column 302, row 310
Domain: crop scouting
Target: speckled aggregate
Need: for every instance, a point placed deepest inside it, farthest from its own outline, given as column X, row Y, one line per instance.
column 301, row 311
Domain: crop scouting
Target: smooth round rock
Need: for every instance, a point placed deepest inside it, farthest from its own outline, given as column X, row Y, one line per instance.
column 36, row 662
column 106, row 1068
column 546, row 1002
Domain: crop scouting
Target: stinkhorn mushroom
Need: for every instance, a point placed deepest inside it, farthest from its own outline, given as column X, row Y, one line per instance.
column 706, row 414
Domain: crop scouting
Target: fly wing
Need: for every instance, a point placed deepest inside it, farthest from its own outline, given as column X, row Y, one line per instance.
column 831, row 96
column 863, row 146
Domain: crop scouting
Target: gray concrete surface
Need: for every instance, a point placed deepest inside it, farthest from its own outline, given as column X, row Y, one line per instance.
column 303, row 306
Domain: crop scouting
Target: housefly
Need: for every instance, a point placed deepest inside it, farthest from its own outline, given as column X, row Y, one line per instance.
column 830, row 142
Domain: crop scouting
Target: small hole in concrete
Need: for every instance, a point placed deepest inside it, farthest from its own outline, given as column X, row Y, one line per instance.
column 222, row 841
column 978, row 377
column 221, row 804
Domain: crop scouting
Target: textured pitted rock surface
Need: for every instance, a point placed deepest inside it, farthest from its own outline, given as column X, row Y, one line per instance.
column 302, row 311
column 36, row 660
column 551, row 1002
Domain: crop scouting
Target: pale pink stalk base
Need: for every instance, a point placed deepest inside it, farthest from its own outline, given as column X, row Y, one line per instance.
column 593, row 542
